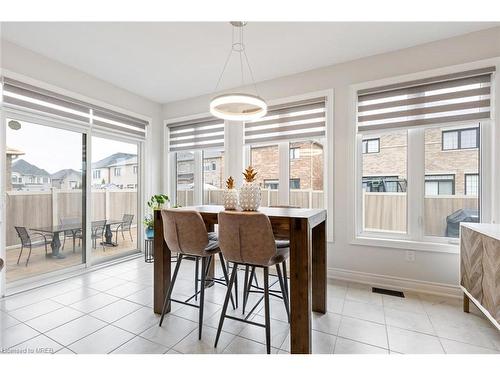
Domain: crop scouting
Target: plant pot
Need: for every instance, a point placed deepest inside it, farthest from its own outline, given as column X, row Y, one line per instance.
column 150, row 233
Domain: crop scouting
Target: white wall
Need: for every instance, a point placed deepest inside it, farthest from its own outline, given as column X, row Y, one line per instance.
column 428, row 266
column 28, row 63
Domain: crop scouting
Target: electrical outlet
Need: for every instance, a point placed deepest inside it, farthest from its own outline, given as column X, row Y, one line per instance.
column 410, row 256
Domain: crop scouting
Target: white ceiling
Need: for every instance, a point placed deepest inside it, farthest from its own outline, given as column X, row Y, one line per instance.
column 170, row 61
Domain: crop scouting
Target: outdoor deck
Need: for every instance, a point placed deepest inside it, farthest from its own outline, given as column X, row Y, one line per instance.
column 40, row 264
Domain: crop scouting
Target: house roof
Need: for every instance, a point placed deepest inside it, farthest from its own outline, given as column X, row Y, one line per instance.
column 63, row 173
column 23, row 167
column 116, row 158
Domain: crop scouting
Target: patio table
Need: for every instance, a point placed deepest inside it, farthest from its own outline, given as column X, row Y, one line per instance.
column 55, row 231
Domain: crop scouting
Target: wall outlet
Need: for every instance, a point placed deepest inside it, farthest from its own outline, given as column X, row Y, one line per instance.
column 410, row 256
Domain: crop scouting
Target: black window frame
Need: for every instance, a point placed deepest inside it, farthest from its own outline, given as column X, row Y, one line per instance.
column 452, row 179
column 459, row 139
column 294, row 180
column 270, row 181
column 364, row 146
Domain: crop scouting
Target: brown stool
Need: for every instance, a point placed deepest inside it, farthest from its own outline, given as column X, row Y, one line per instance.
column 185, row 233
column 246, row 238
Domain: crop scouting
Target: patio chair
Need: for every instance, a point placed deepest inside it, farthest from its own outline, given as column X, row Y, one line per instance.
column 30, row 240
column 97, row 232
column 70, row 233
column 125, row 226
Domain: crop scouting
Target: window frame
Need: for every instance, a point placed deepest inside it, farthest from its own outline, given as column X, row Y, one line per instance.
column 459, row 139
column 478, row 183
column 452, row 179
column 489, row 157
column 365, row 146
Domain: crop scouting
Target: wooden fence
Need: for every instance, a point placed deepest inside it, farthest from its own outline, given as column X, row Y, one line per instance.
column 300, row 198
column 387, row 211
column 35, row 209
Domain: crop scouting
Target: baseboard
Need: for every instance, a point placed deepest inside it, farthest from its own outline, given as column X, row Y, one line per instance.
column 397, row 283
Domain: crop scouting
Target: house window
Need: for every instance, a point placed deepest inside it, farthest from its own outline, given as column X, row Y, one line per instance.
column 14, row 179
column 371, row 146
column 72, row 185
column 117, row 172
column 472, row 184
column 295, row 183
column 96, row 174
column 460, row 139
column 135, row 169
column 294, row 153
column 271, row 184
column 45, row 180
column 440, row 184
column 213, row 179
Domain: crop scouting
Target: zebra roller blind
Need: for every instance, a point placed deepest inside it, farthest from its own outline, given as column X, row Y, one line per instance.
column 454, row 97
column 301, row 119
column 207, row 132
column 17, row 94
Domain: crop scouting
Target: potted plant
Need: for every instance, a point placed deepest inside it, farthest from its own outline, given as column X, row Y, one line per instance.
column 156, row 202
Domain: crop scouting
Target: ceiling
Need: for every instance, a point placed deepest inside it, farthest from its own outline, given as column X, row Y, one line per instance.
column 170, row 61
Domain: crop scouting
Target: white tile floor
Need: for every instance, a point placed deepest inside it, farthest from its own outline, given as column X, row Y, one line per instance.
column 109, row 311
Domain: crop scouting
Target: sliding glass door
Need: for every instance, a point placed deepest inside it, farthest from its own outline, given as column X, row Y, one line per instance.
column 115, row 181
column 45, row 195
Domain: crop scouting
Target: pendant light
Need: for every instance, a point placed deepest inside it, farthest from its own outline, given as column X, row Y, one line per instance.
column 238, row 106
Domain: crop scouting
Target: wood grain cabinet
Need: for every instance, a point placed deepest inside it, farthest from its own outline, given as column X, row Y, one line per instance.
column 480, row 268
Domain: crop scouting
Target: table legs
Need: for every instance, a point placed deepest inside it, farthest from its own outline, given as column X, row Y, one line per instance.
column 466, row 303
column 162, row 264
column 108, row 235
column 55, row 245
column 307, row 281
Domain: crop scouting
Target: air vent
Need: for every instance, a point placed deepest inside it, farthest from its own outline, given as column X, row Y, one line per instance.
column 395, row 293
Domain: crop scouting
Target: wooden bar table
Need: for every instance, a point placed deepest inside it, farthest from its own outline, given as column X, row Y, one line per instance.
column 306, row 229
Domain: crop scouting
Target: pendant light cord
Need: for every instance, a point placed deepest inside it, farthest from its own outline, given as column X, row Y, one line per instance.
column 241, row 50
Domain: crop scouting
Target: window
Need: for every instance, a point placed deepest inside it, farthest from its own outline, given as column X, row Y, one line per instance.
column 72, row 184
column 117, row 172
column 472, row 184
column 371, row 146
column 295, row 183
column 460, row 139
column 185, row 178
column 213, row 177
column 440, row 184
column 431, row 111
column 446, row 201
column 306, row 175
column 135, row 169
column 265, row 160
column 294, row 153
column 271, row 184
column 96, row 174
column 384, row 185
column 14, row 179
column 45, row 180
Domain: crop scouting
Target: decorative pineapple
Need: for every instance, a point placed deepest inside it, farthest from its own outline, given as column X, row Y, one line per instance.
column 250, row 191
column 230, row 195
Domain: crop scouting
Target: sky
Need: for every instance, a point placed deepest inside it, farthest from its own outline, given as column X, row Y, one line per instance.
column 54, row 149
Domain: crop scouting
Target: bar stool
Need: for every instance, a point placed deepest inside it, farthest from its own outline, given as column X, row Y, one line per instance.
column 185, row 233
column 246, row 238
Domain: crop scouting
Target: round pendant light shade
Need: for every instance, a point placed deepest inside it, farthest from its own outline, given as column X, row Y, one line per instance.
column 238, row 107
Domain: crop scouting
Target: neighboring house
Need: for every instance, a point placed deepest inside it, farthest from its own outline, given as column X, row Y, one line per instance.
column 119, row 170
column 306, row 165
column 12, row 154
column 451, row 161
column 67, row 179
column 185, row 170
column 28, row 177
